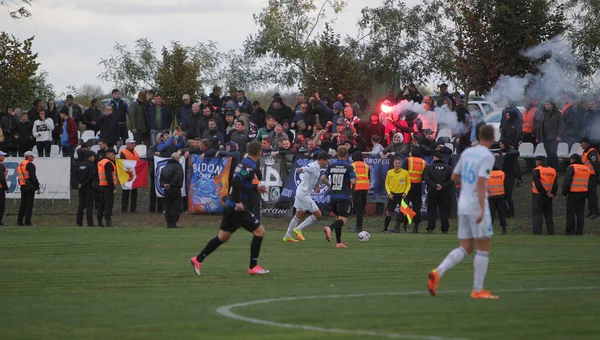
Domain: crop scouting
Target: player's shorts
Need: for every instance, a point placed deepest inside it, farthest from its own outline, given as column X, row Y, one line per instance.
column 468, row 228
column 341, row 208
column 233, row 219
column 305, row 203
column 393, row 203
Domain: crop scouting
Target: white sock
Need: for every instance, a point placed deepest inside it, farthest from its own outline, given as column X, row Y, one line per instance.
column 293, row 223
column 480, row 265
column 453, row 258
column 308, row 221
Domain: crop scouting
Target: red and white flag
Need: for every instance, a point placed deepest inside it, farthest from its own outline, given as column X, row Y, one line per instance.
column 132, row 174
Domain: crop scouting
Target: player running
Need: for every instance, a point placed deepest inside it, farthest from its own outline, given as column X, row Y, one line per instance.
column 474, row 221
column 237, row 214
column 309, row 177
column 339, row 176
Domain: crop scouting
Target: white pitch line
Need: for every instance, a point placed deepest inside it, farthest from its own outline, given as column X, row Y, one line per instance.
column 226, row 311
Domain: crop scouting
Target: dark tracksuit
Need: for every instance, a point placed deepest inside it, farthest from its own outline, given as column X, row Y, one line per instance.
column 172, row 174
column 86, row 177
column 592, row 196
column 542, row 205
column 107, row 197
column 28, row 197
column 438, row 173
column 575, row 205
column 3, row 190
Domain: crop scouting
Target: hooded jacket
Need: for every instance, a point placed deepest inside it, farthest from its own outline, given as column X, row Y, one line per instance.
column 551, row 125
column 512, row 128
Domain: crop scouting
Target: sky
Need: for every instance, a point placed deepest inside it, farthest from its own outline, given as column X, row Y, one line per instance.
column 71, row 36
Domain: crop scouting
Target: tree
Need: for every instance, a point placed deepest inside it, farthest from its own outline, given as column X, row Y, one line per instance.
column 17, row 9
column 332, row 68
column 17, row 68
column 131, row 71
column 209, row 58
column 178, row 74
column 585, row 37
column 285, row 30
column 42, row 87
column 242, row 71
column 393, row 42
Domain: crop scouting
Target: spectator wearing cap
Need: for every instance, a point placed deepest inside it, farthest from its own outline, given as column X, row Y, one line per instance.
column 544, row 187
column 86, row 174
column 42, row 132
column 3, row 187
column 258, row 115
column 120, row 110
column 213, row 132
column 550, row 131
column 26, row 172
column 26, row 140
column 160, row 117
column 575, row 187
column 205, row 102
column 69, row 138
column 438, row 177
column 591, row 160
column 242, row 102
column 10, row 130
column 444, row 94
column 74, row 109
column 136, row 118
column 109, row 127
column 185, row 110
column 107, row 186
column 129, row 153
column 280, row 111
column 91, row 115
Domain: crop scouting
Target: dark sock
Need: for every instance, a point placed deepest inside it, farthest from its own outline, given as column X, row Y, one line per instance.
column 388, row 219
column 337, row 225
column 211, row 246
column 255, row 250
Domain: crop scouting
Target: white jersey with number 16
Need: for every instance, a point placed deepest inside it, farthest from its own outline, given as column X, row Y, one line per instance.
column 474, row 163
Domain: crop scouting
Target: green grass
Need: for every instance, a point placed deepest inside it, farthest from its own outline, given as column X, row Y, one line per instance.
column 136, row 283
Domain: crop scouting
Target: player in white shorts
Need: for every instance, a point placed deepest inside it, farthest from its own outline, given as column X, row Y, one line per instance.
column 474, row 220
column 309, row 177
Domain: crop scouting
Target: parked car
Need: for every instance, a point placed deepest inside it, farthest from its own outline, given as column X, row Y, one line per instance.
column 495, row 118
column 484, row 106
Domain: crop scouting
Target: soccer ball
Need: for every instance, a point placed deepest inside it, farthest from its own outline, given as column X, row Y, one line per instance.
column 364, row 236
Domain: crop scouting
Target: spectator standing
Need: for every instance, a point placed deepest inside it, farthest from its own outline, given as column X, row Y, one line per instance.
column 109, row 127
column 53, row 113
column 160, row 117
column 242, row 102
column 171, row 179
column 544, row 187
column 25, row 135
column 574, row 121
column 42, row 131
column 258, row 115
column 136, row 118
column 86, row 175
column 511, row 172
column 33, row 113
column 192, row 126
column 107, row 184
column 129, row 153
column 413, row 94
column 281, row 111
column 3, row 187
column 445, row 94
column 550, row 130
column 575, row 187
column 239, row 136
column 590, row 159
column 68, row 137
column 74, row 110
column 29, row 183
column 91, row 115
column 185, row 110
column 213, row 132
column 120, row 110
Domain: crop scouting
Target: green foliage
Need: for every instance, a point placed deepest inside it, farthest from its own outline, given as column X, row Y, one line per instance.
column 242, row 71
column 178, row 74
column 41, row 86
column 131, row 71
column 285, row 31
column 585, row 35
column 17, row 9
column 332, row 68
column 18, row 66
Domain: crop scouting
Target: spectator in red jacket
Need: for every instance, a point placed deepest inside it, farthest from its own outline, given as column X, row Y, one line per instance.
column 68, row 133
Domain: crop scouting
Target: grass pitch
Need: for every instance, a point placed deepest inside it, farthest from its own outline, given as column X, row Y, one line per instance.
column 136, row 283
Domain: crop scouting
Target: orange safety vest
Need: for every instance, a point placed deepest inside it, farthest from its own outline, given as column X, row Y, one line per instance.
column 528, row 119
column 362, row 175
column 22, row 172
column 416, row 167
column 586, row 161
column 547, row 177
column 496, row 183
column 581, row 176
column 565, row 108
column 132, row 156
column 102, row 173
column 4, row 166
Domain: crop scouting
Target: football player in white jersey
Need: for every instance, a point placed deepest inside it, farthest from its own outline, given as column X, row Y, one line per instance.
column 474, row 220
column 309, row 178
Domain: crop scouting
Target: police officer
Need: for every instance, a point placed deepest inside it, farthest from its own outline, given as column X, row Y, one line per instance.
column 590, row 159
column 3, row 187
column 359, row 194
column 575, row 187
column 129, row 153
column 543, row 187
column 86, row 176
column 496, row 196
column 29, row 185
column 107, row 183
column 438, row 177
column 415, row 165
column 171, row 178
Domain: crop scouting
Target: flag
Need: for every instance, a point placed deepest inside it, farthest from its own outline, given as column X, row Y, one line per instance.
column 407, row 211
column 132, row 174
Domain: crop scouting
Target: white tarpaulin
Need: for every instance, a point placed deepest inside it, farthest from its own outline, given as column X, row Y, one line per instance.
column 53, row 174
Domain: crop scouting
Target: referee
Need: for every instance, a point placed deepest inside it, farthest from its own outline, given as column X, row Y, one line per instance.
column 171, row 179
column 397, row 186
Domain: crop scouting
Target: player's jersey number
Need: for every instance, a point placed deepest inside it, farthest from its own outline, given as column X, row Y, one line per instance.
column 337, row 182
column 468, row 173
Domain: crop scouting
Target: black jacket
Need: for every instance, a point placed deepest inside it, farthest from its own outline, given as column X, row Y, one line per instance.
column 172, row 174
column 3, row 178
column 436, row 173
column 110, row 128
column 86, row 174
column 91, row 115
column 538, row 183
